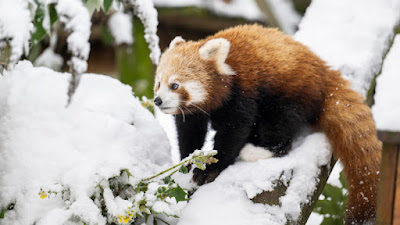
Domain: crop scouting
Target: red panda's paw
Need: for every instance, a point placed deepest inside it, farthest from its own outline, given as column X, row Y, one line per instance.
column 201, row 177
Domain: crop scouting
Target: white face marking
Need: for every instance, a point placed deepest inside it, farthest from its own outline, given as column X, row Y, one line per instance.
column 170, row 100
column 251, row 153
column 172, row 79
column 196, row 91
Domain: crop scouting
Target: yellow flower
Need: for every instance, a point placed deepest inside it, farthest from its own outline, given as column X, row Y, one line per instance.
column 42, row 195
column 127, row 219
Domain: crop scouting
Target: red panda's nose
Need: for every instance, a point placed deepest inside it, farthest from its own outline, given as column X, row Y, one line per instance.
column 158, row 101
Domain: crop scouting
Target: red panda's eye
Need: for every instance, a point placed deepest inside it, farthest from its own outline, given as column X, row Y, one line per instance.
column 174, row 86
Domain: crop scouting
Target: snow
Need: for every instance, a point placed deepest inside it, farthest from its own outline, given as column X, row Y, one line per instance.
column 120, row 25
column 50, row 59
column 386, row 110
column 46, row 145
column 76, row 19
column 315, row 219
column 15, row 24
column 286, row 14
column 352, row 36
column 145, row 11
column 335, row 175
column 236, row 8
column 227, row 199
column 284, row 10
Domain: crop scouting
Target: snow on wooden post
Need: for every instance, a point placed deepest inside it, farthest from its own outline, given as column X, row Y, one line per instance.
column 272, row 197
column 386, row 112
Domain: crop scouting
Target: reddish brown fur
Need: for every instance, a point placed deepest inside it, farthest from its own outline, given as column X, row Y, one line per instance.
column 268, row 58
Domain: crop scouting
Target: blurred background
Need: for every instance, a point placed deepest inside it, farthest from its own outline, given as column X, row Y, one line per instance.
column 191, row 19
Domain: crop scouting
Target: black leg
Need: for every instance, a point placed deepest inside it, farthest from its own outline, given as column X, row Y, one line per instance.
column 192, row 130
column 233, row 124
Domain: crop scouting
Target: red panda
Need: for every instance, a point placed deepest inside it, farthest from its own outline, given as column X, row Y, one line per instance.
column 259, row 88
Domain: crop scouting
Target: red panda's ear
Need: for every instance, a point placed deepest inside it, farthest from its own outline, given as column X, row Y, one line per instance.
column 217, row 50
column 177, row 40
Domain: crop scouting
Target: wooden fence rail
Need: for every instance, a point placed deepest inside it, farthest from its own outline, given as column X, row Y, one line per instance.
column 388, row 211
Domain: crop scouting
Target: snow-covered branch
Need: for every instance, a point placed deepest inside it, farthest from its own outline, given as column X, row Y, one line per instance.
column 76, row 19
column 145, row 11
column 15, row 28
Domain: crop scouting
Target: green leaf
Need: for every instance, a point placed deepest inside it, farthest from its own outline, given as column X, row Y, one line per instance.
column 184, row 170
column 144, row 209
column 200, row 165
column 167, row 180
column 107, row 4
column 161, row 189
column 154, row 221
column 203, row 159
column 53, row 14
column 93, row 5
column 40, row 32
column 3, row 211
column 178, row 193
column 141, row 187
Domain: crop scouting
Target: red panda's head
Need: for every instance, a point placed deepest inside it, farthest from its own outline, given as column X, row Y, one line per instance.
column 192, row 76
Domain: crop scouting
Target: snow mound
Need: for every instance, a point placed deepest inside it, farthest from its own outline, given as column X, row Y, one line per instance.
column 352, row 36
column 45, row 145
column 386, row 110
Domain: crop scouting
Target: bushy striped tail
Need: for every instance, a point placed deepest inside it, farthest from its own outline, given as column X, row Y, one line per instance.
column 348, row 123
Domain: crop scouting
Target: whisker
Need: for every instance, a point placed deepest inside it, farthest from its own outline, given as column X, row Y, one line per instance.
column 198, row 108
column 182, row 113
column 187, row 109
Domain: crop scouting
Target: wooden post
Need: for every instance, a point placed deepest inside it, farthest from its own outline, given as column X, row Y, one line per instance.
column 388, row 208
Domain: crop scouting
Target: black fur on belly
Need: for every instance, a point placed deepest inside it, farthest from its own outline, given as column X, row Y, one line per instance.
column 279, row 120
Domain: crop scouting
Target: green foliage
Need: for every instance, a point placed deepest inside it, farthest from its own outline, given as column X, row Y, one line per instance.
column 334, row 204
column 5, row 209
column 40, row 32
column 107, row 4
column 93, row 5
column 142, row 195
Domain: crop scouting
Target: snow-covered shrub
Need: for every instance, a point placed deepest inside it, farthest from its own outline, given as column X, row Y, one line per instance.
column 91, row 162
